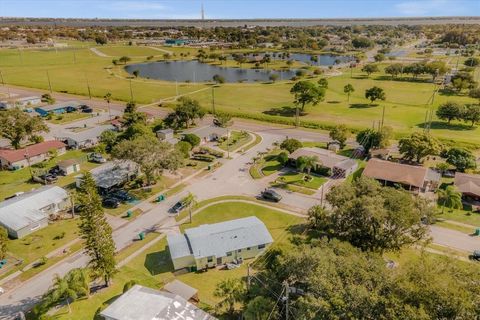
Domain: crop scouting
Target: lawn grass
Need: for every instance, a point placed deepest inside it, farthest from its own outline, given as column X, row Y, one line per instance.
column 236, row 140
column 271, row 164
column 298, row 179
column 154, row 268
column 405, row 106
column 453, row 226
column 69, row 117
column 129, row 51
column 463, row 216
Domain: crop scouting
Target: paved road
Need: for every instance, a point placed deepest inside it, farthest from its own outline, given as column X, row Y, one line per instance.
column 454, row 239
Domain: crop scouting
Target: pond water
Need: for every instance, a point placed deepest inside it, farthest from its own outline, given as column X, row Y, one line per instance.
column 194, row 71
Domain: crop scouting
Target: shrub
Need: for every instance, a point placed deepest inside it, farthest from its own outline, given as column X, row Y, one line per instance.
column 291, row 145
column 282, row 157
column 59, row 236
column 203, row 157
column 210, row 151
column 128, row 285
column 184, row 147
column 191, row 138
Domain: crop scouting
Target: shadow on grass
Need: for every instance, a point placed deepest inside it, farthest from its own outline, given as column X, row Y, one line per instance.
column 158, row 262
column 104, row 305
column 333, row 102
column 404, row 79
column 272, row 168
column 283, row 111
column 444, row 125
column 362, row 105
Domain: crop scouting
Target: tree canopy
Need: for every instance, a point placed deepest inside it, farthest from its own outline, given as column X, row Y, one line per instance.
column 16, row 126
column 375, row 93
column 418, row 146
column 290, row 145
column 306, row 92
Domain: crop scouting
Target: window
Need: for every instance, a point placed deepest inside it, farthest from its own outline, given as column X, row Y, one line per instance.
column 261, row 246
column 248, row 248
column 210, row 259
column 229, row 254
column 239, row 250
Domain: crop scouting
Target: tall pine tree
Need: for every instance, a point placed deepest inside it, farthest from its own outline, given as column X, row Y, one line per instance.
column 3, row 242
column 96, row 231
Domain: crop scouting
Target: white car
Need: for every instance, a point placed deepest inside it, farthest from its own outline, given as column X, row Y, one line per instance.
column 2, row 291
column 97, row 157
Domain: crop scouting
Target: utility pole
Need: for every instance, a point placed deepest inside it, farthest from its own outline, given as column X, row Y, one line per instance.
column 297, row 115
column 88, row 88
column 213, row 99
column 287, row 289
column 131, row 91
column 248, row 277
column 49, row 83
column 383, row 116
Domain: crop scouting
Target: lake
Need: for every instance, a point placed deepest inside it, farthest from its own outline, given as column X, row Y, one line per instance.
column 194, row 71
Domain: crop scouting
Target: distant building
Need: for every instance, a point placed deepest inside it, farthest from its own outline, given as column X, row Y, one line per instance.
column 209, row 245
column 111, row 174
column 210, row 133
column 20, row 158
column 21, row 103
column 167, row 135
column 69, row 166
column 175, row 42
column 29, row 211
column 468, row 185
column 59, row 108
column 86, row 138
column 142, row 303
column 413, row 178
column 339, row 166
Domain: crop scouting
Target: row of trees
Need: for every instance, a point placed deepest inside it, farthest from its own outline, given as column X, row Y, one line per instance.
column 453, row 111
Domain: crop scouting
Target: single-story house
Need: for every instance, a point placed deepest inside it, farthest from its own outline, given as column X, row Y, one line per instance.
column 182, row 289
column 339, row 166
column 28, row 212
column 111, row 174
column 86, row 138
column 175, row 42
column 209, row 245
column 167, row 135
column 58, row 108
column 21, row 103
column 20, row 158
column 413, row 178
column 142, row 303
column 210, row 133
column 468, row 185
column 69, row 166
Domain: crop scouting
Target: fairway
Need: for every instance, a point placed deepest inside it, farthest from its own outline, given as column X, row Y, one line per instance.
column 77, row 70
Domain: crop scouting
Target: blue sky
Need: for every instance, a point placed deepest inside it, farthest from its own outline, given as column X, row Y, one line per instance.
column 231, row 9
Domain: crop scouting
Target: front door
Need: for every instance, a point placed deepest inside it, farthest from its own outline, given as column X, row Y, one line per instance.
column 219, row 260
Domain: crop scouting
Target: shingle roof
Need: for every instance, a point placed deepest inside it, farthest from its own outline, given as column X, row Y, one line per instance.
column 19, row 212
column 325, row 157
column 33, row 150
column 468, row 183
column 142, row 303
column 219, row 238
column 396, row 172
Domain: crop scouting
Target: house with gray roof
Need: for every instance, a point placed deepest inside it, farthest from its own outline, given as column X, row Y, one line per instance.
column 28, row 212
column 142, row 303
column 85, row 138
column 209, row 245
column 111, row 174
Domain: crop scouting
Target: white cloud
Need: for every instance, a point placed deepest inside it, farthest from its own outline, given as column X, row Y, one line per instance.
column 430, row 8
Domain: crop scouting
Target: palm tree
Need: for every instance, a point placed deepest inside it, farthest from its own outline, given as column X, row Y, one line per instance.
column 450, row 198
column 107, row 98
column 190, row 201
column 307, row 163
column 231, row 291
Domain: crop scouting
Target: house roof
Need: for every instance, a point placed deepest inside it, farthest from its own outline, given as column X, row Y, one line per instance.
column 89, row 134
column 178, row 287
column 207, row 131
column 325, row 157
column 32, row 151
column 20, row 211
column 112, row 173
column 219, row 238
column 399, row 173
column 68, row 162
column 142, row 303
column 468, row 183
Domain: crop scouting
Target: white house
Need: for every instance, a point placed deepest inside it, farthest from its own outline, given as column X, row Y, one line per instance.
column 167, row 135
column 69, row 166
column 209, row 245
column 86, row 138
column 29, row 211
column 142, row 303
column 111, row 174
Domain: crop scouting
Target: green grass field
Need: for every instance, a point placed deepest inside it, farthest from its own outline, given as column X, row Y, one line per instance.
column 405, row 107
column 153, row 267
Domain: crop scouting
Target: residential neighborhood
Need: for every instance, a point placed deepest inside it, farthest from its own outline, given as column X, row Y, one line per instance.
column 313, row 166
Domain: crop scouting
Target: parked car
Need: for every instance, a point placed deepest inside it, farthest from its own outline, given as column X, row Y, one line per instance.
column 2, row 291
column 177, row 207
column 216, row 122
column 56, row 171
column 48, row 178
column 96, row 157
column 121, row 195
column 87, row 110
column 475, row 255
column 269, row 194
column 111, row 203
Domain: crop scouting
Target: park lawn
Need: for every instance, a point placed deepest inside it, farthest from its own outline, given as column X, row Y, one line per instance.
column 19, row 180
column 129, row 51
column 271, row 164
column 298, row 180
column 43, row 241
column 68, row 117
column 236, row 140
column 405, row 106
column 154, row 268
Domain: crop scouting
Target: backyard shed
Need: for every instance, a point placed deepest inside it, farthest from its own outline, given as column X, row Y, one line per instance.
column 69, row 166
column 182, row 289
column 29, row 211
